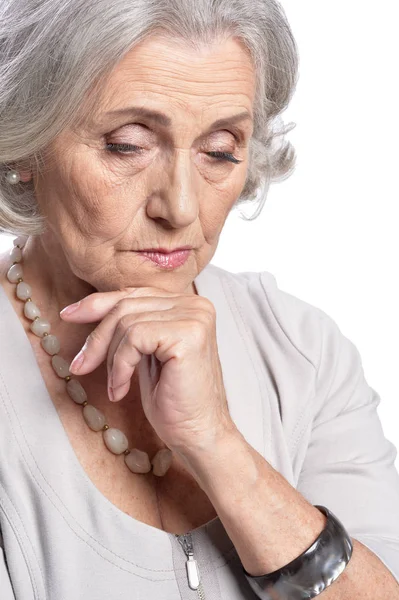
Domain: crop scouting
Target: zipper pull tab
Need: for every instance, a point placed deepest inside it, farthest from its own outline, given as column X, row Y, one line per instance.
column 193, row 575
column 192, row 572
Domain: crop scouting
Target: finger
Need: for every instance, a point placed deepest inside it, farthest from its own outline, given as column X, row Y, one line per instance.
column 94, row 307
column 152, row 368
column 141, row 338
column 159, row 336
column 116, row 394
column 120, row 362
column 95, row 348
column 168, row 314
column 121, row 371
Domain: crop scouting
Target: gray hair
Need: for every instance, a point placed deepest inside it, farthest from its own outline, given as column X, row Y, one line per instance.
column 55, row 53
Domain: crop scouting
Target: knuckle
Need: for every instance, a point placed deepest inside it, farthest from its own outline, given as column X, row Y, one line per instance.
column 205, row 305
column 113, row 314
column 210, row 316
column 120, row 308
column 205, row 312
column 199, row 331
column 130, row 332
column 211, row 308
column 125, row 322
column 116, row 310
column 123, row 306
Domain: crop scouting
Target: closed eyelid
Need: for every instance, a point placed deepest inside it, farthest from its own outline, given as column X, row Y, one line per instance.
column 236, row 124
column 225, row 141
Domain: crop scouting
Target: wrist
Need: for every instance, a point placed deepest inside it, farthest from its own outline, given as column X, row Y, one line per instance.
column 210, row 462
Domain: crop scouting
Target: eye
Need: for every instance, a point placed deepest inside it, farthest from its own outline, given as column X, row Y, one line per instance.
column 123, row 148
column 222, row 156
column 132, row 149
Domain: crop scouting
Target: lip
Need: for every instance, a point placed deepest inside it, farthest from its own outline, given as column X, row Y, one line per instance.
column 167, row 260
column 165, row 250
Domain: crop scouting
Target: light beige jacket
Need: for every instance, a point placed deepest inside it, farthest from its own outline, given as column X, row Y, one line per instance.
column 296, row 390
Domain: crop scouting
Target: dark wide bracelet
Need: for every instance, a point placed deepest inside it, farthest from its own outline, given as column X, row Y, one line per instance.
column 312, row 572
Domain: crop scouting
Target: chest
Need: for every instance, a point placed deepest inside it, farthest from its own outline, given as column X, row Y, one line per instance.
column 174, row 502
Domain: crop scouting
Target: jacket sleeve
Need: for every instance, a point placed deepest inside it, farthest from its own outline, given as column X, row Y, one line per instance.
column 6, row 592
column 349, row 465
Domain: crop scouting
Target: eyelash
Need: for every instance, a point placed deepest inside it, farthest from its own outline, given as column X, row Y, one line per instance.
column 118, row 148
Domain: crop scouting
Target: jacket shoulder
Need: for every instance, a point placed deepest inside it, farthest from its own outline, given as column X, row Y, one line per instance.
column 263, row 304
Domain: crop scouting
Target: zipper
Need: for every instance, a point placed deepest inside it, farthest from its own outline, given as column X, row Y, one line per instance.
column 193, row 574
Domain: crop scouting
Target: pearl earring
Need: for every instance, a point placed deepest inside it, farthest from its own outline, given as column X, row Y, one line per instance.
column 13, row 177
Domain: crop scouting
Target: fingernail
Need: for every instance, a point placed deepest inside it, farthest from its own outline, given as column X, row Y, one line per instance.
column 116, row 393
column 77, row 362
column 111, row 394
column 69, row 309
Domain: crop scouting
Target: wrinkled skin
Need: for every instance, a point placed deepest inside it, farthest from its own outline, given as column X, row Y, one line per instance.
column 102, row 206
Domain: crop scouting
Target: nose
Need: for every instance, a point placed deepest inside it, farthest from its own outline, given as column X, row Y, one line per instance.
column 175, row 200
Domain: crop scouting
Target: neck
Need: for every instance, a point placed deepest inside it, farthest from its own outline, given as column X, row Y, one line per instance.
column 47, row 270
column 54, row 286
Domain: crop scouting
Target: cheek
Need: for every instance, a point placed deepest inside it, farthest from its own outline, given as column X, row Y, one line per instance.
column 98, row 201
column 222, row 197
column 91, row 198
column 214, row 211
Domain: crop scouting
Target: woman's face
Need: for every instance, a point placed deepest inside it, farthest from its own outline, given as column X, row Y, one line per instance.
column 160, row 189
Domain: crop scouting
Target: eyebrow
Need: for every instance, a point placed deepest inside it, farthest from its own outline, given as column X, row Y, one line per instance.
column 165, row 121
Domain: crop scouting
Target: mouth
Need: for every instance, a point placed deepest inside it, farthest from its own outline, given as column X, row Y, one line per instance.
column 165, row 250
column 167, row 259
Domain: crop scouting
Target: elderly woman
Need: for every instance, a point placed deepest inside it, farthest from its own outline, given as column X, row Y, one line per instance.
column 214, row 436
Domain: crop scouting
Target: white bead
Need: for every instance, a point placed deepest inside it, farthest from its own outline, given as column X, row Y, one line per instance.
column 14, row 273
column 93, row 417
column 31, row 310
column 115, row 440
column 40, row 326
column 13, row 177
column 16, row 254
column 50, row 343
column 60, row 366
column 21, row 240
column 76, row 391
column 23, row 291
column 162, row 461
column 138, row 461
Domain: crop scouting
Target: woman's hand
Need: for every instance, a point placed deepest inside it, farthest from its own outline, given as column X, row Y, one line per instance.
column 172, row 339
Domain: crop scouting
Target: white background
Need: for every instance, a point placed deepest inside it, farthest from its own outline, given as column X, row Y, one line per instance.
column 329, row 233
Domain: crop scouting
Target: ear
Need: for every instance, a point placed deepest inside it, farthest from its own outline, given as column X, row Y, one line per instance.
column 24, row 170
column 25, row 175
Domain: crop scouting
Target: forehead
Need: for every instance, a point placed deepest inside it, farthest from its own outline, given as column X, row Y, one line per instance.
column 167, row 71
